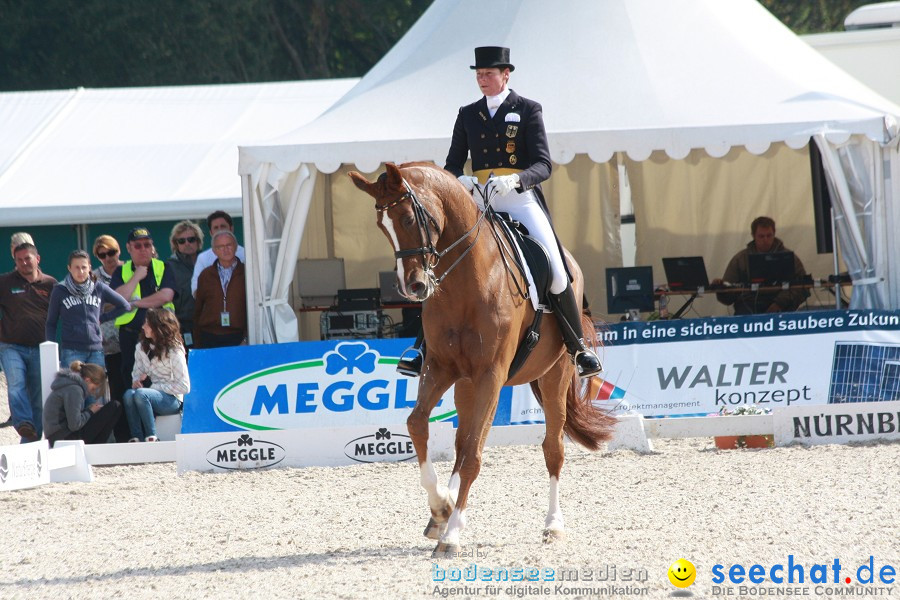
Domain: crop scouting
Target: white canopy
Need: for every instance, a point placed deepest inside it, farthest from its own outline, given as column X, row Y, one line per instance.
column 163, row 153
column 632, row 76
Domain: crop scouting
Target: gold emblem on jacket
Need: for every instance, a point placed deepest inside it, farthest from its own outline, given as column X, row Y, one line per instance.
column 510, row 147
column 512, row 130
column 512, row 159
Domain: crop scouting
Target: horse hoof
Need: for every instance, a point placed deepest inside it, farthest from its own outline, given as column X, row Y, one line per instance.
column 554, row 536
column 434, row 530
column 443, row 550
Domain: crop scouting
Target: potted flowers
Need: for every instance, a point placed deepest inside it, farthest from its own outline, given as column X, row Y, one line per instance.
column 730, row 442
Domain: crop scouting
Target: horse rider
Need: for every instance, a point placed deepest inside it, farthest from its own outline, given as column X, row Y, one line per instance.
column 505, row 135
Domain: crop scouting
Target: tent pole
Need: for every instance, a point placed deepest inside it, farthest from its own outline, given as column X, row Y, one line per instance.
column 836, row 254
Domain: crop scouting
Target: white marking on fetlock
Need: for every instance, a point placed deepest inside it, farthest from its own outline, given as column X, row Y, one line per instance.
column 438, row 495
column 453, row 487
column 554, row 520
column 455, row 526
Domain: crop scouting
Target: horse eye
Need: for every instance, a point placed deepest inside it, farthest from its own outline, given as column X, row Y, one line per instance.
column 408, row 221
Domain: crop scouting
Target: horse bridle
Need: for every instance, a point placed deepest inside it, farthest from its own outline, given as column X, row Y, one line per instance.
column 431, row 256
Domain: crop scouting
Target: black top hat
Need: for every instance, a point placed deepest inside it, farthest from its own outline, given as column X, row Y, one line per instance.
column 490, row 57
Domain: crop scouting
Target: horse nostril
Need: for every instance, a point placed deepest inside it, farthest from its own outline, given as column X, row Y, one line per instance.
column 417, row 288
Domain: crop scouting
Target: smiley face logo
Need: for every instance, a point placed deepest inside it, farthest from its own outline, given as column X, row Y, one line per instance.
column 682, row 573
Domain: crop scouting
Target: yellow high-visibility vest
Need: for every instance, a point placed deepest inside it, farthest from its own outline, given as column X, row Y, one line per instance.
column 158, row 267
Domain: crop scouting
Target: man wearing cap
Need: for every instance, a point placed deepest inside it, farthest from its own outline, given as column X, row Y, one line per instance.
column 144, row 281
column 505, row 135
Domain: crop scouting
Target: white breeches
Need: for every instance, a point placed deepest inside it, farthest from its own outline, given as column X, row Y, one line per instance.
column 524, row 207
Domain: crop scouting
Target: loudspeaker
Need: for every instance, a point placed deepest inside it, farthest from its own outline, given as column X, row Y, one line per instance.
column 821, row 200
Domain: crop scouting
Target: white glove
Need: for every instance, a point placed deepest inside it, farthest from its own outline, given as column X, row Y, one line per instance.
column 505, row 183
column 468, row 182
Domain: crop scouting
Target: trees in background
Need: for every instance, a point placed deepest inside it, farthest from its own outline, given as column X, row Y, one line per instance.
column 54, row 44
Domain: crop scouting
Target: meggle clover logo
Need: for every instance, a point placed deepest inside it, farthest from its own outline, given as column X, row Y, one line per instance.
column 327, row 390
column 245, row 453
column 4, row 468
column 383, row 446
column 350, row 357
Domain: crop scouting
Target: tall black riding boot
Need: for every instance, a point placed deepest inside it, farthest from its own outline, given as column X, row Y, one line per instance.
column 569, row 318
column 412, row 366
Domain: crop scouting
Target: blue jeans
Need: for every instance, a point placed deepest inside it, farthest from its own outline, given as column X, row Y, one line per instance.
column 140, row 406
column 22, row 366
column 69, row 355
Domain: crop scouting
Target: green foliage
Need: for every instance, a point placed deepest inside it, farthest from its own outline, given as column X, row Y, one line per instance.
column 56, row 44
column 813, row 16
column 53, row 44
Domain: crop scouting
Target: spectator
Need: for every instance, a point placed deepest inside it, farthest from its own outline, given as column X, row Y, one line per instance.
column 217, row 221
column 65, row 414
column 160, row 378
column 77, row 304
column 20, row 237
column 24, row 301
column 185, row 240
column 220, row 311
column 738, row 271
column 148, row 283
column 107, row 250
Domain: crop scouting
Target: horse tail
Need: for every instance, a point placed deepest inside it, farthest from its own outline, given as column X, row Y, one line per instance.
column 586, row 424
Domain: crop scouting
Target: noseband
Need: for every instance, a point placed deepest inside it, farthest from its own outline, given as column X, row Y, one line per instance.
column 426, row 223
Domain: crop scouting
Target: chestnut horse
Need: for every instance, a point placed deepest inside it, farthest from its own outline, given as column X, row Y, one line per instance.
column 474, row 319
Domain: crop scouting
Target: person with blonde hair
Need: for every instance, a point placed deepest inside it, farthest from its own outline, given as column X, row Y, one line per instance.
column 65, row 415
column 186, row 240
column 19, row 237
column 160, row 378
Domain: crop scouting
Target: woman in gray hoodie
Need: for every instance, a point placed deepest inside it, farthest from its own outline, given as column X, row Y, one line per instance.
column 66, row 417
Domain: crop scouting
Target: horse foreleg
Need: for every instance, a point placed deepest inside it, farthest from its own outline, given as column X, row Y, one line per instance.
column 476, row 406
column 553, row 387
column 439, row 500
column 434, row 530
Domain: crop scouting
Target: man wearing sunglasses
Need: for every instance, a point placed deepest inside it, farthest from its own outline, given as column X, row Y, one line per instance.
column 144, row 281
column 185, row 240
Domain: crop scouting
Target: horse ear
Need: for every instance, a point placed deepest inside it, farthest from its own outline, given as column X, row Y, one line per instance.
column 394, row 177
column 362, row 183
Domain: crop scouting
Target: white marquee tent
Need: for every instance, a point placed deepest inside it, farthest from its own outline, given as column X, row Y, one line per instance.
column 620, row 80
column 135, row 154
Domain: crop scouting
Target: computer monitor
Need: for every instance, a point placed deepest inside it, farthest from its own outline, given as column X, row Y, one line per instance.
column 319, row 279
column 771, row 268
column 685, row 273
column 629, row 289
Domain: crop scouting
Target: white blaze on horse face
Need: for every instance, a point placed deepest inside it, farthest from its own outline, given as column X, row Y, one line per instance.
column 395, row 243
column 554, row 520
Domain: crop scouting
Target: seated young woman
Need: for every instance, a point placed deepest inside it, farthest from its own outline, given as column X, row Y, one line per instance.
column 160, row 376
column 65, row 414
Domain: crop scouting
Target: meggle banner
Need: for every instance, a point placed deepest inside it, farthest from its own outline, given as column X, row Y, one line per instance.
column 698, row 366
column 307, row 384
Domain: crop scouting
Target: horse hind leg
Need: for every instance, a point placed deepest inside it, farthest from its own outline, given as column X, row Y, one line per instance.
column 551, row 390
